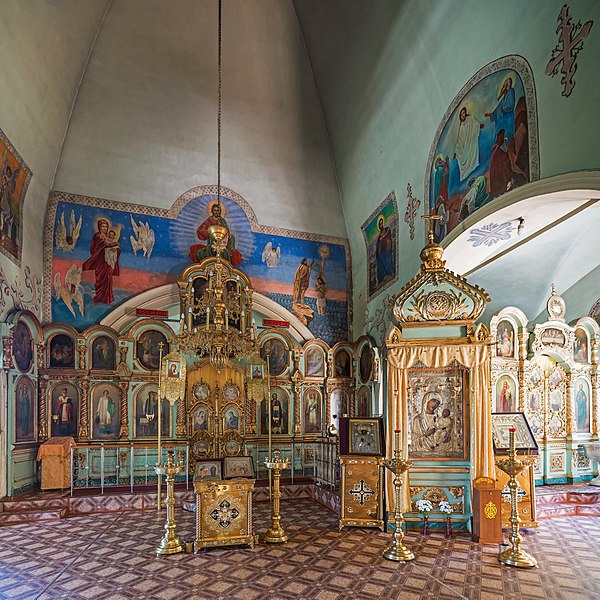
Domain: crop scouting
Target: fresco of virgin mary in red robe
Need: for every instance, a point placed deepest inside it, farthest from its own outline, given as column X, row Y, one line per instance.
column 104, row 261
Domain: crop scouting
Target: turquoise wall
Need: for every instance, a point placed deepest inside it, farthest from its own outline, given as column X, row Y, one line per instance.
column 386, row 80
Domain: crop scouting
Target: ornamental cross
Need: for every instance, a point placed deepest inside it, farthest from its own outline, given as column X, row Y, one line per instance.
column 570, row 43
column 431, row 217
column 361, row 492
column 224, row 514
column 506, row 493
column 411, row 210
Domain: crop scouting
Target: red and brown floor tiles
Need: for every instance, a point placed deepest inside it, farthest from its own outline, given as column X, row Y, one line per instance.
column 111, row 556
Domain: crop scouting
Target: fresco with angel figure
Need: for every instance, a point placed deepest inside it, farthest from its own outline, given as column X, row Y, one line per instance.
column 486, row 144
column 104, row 253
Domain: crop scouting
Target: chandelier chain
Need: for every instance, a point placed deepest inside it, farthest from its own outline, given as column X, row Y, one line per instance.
column 220, row 52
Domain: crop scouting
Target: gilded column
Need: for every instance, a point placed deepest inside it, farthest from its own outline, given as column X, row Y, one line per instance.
column 84, row 430
column 7, row 352
column 124, row 429
column 81, row 350
column 180, row 426
column 569, row 404
column 297, row 404
column 523, row 339
column 43, row 416
column 595, row 380
column 40, row 355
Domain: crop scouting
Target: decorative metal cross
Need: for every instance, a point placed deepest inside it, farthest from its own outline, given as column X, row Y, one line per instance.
column 431, row 217
column 570, row 43
column 224, row 514
column 411, row 210
column 361, row 492
column 506, row 493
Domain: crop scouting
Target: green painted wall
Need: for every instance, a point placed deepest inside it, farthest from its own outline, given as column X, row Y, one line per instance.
column 387, row 76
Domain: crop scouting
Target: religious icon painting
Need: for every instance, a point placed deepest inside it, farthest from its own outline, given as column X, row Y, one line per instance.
column 339, row 406
column 278, row 356
column 380, row 232
column 25, row 410
column 505, row 339
column 312, row 412
column 581, row 346
column 64, row 409
column 208, row 469
column 14, row 180
column 238, row 466
column 201, row 447
column 231, row 392
column 200, row 420
column 436, row 413
column 61, row 352
column 105, row 411
column 363, row 401
column 256, row 372
column 582, row 395
column 147, row 348
column 22, row 347
column 485, row 146
column 342, row 364
column 231, row 419
column 365, row 364
column 364, row 437
column 314, row 362
column 232, row 447
column 280, row 413
column 201, row 391
column 173, row 369
column 506, row 394
column 146, row 413
column 103, row 353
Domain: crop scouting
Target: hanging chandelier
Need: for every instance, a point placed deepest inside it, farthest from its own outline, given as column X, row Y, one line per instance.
column 216, row 298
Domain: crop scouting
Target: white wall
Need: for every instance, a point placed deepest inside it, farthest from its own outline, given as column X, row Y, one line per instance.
column 144, row 125
column 43, row 46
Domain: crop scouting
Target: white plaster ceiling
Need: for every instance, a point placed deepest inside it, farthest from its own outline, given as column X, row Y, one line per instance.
column 559, row 244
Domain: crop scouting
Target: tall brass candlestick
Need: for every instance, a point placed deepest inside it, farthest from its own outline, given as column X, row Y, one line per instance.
column 512, row 466
column 158, row 440
column 275, row 534
column 170, row 543
column 397, row 550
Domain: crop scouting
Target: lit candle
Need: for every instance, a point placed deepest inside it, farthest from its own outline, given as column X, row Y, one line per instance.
column 511, row 433
column 226, row 320
column 207, row 317
column 243, row 321
column 396, row 441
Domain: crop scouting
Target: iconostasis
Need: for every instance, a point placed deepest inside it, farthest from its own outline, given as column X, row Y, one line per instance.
column 100, row 386
column 549, row 371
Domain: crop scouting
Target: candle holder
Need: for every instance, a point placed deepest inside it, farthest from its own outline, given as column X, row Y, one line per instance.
column 275, row 534
column 512, row 466
column 170, row 543
column 397, row 550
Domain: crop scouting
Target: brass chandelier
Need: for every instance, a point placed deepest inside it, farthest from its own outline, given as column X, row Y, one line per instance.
column 216, row 298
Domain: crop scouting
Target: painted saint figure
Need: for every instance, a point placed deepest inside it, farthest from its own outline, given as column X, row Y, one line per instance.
column 503, row 116
column 302, row 280
column 105, row 266
column 384, row 251
column 198, row 252
column 476, row 196
column 505, row 400
column 65, row 414
column 105, row 412
column 321, row 295
column 424, row 424
column 312, row 417
column 583, row 412
column 466, row 150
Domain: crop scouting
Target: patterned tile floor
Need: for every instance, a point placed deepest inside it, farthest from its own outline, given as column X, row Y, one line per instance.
column 110, row 556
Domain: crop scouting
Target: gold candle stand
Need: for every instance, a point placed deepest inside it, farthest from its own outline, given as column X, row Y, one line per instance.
column 275, row 534
column 512, row 466
column 397, row 550
column 170, row 543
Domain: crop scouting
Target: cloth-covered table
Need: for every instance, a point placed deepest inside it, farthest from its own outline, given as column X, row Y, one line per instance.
column 55, row 455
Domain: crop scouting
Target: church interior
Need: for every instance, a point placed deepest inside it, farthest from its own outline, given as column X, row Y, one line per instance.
column 299, row 299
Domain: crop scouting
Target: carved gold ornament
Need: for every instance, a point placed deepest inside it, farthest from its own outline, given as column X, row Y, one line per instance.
column 490, row 511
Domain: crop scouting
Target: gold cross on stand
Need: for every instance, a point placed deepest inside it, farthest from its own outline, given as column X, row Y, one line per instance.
column 431, row 217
